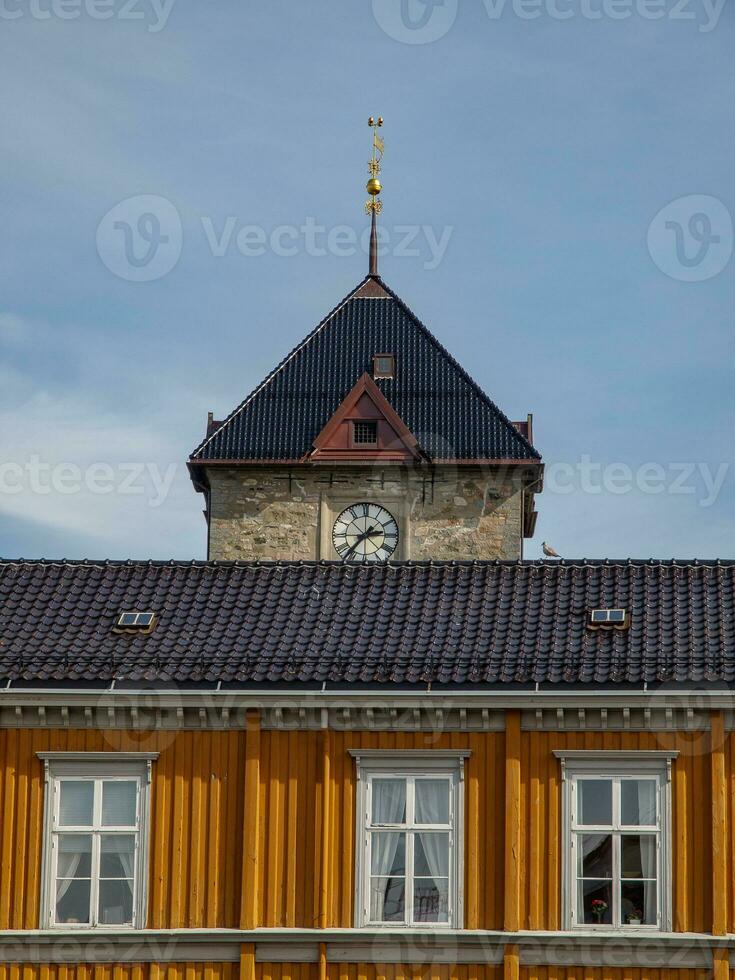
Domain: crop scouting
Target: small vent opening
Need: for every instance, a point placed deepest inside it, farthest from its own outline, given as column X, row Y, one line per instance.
column 365, row 433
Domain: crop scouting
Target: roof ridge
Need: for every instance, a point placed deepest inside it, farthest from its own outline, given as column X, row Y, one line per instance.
column 331, row 563
column 279, row 367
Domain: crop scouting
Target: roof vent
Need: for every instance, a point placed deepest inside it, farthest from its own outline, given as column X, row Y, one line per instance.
column 135, row 622
column 365, row 433
column 609, row 618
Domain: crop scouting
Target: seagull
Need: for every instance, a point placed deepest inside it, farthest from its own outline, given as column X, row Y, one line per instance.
column 549, row 551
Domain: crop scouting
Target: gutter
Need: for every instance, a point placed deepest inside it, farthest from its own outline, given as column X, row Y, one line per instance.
column 703, row 698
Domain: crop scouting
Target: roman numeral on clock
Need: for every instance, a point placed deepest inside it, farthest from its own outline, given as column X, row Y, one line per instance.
column 365, row 532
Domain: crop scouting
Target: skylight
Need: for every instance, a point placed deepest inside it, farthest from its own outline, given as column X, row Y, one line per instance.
column 136, row 620
column 608, row 617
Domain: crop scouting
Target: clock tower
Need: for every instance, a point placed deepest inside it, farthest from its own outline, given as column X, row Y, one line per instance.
column 368, row 443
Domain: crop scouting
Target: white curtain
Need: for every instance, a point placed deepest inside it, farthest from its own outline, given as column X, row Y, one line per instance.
column 67, row 870
column 124, row 849
column 436, row 851
column 112, row 905
column 68, row 861
column 646, row 802
column 389, row 801
column 389, row 807
column 648, row 866
column 432, row 807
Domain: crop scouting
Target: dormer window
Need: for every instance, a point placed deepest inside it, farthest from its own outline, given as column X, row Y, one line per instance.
column 365, row 433
column 384, row 366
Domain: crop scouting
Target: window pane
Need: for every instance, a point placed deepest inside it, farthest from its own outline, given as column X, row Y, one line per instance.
column 117, row 855
column 72, row 900
column 431, row 855
column 389, row 801
column 638, row 901
column 387, row 899
column 75, row 856
column 76, row 801
column 595, row 855
column 116, row 902
column 594, row 902
column 118, row 803
column 432, row 801
column 388, row 853
column 638, row 802
column 431, row 900
column 638, row 856
column 594, row 802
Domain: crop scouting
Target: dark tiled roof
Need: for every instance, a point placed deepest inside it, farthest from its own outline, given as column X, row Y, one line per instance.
column 449, row 623
column 451, row 417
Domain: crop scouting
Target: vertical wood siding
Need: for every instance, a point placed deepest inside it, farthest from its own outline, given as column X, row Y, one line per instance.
column 729, row 747
column 195, row 830
column 610, row 973
column 410, row 971
column 292, row 864
column 286, row 971
column 199, row 821
column 691, row 844
column 484, row 820
column 122, row 971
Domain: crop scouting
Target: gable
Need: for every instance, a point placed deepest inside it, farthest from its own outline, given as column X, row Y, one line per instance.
column 447, row 413
column 365, row 404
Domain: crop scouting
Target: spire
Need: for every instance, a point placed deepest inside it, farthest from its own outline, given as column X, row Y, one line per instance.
column 373, row 269
column 374, row 205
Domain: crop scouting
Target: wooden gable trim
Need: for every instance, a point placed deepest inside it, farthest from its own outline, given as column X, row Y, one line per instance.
column 331, row 445
column 372, row 288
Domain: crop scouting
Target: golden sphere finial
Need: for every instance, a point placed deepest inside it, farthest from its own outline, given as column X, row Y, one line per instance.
column 374, row 186
column 380, row 120
column 371, row 121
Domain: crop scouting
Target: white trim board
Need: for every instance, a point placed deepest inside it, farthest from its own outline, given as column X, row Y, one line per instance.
column 361, row 945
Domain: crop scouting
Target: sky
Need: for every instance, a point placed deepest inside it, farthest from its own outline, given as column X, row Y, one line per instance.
column 182, row 201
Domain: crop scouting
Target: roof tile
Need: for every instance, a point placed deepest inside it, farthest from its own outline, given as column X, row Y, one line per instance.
column 447, row 412
column 446, row 623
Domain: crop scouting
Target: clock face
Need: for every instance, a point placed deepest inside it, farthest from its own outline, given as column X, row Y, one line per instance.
column 365, row 533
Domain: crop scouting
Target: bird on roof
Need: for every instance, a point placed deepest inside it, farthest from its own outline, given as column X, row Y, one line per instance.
column 549, row 551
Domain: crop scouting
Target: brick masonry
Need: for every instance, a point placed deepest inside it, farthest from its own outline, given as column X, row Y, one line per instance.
column 277, row 513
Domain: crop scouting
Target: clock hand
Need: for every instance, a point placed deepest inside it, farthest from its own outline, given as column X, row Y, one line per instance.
column 360, row 539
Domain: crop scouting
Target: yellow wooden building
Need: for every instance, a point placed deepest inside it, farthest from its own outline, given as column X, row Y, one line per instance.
column 366, row 740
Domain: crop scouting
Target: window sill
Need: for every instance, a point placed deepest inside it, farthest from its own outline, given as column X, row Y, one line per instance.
column 606, row 930
column 86, row 927
column 408, row 926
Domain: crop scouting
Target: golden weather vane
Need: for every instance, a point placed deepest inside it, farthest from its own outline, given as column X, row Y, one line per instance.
column 374, row 187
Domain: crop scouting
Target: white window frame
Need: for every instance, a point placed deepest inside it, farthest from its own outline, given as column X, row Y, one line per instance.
column 583, row 764
column 401, row 764
column 95, row 766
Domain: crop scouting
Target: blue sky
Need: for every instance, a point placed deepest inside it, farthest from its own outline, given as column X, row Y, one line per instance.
column 536, row 141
